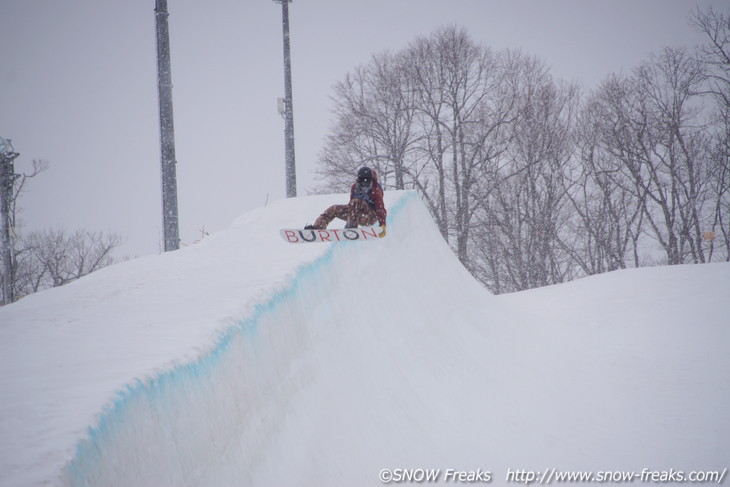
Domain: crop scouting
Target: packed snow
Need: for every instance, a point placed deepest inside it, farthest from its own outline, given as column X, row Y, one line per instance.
column 245, row 360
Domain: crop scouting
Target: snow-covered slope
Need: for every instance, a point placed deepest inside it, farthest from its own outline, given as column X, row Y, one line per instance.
column 244, row 360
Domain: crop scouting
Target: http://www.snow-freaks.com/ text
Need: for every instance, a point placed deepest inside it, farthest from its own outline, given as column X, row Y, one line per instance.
column 549, row 476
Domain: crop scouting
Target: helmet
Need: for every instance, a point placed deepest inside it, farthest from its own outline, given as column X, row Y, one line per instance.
column 365, row 173
column 365, row 178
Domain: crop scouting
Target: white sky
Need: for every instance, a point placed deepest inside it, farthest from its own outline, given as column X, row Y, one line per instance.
column 78, row 87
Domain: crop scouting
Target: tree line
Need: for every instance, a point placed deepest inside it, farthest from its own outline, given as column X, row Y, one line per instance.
column 532, row 181
column 50, row 257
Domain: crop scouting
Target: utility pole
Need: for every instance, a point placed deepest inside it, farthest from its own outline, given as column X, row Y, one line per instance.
column 7, row 181
column 170, row 225
column 291, row 174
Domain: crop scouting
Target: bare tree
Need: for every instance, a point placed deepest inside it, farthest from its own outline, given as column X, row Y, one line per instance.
column 653, row 141
column 602, row 193
column 530, row 185
column 524, row 217
column 448, row 112
column 52, row 258
column 18, row 187
column 429, row 81
column 466, row 102
column 374, row 113
column 38, row 166
column 715, row 55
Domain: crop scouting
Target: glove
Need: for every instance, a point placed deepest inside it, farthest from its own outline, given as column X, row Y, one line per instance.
column 382, row 228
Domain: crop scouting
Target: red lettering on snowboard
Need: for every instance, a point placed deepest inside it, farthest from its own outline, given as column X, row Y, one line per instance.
column 329, row 235
column 369, row 231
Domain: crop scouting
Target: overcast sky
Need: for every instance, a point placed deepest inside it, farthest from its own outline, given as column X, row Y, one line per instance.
column 78, row 88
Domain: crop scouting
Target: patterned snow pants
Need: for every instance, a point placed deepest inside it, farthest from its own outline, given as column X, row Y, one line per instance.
column 356, row 212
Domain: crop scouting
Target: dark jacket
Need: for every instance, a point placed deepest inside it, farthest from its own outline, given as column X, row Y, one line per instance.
column 374, row 198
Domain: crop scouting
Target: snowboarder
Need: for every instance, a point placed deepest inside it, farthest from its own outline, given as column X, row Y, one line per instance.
column 365, row 206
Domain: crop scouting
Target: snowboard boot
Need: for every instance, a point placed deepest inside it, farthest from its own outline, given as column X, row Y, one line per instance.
column 321, row 222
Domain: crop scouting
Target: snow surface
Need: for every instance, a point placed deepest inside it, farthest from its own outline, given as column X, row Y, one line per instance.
column 244, row 360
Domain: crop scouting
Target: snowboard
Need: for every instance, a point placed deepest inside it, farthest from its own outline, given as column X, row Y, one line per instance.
column 359, row 234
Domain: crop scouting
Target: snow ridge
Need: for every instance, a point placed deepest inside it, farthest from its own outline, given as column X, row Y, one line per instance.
column 355, row 357
column 196, row 401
